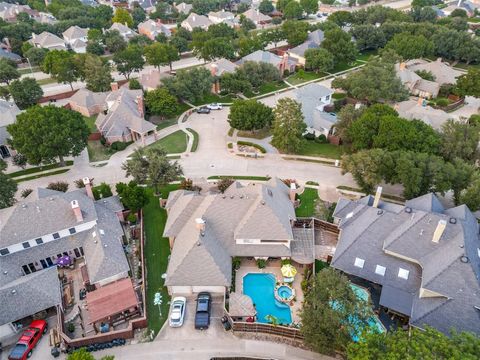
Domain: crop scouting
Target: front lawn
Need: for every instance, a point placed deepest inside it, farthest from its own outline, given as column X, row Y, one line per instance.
column 156, row 252
column 99, row 152
column 342, row 66
column 257, row 134
column 312, row 148
column 37, row 169
column 214, row 98
column 266, row 88
column 367, row 55
column 196, row 139
column 308, row 200
column 300, row 77
column 162, row 124
column 174, row 143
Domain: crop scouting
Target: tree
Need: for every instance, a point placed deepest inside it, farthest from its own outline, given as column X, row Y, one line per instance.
column 138, row 15
column 233, row 83
column 411, row 46
column 25, row 92
column 129, row 60
column 83, row 354
column 97, row 74
column 45, row 133
column 309, row 6
column 133, row 197
column 161, row 102
column 282, row 4
column 246, row 24
column 190, row 85
column 293, row 10
column 180, row 43
column 368, row 37
column 122, row 16
column 345, row 117
column 374, row 82
column 8, row 187
column 266, row 7
column 158, row 54
column 224, row 183
column 61, row 66
column 113, row 41
column 340, row 45
column 288, row 125
column 258, row 73
column 469, row 83
column 249, row 115
column 319, row 60
column 95, row 48
column 296, row 32
column 460, row 140
column 327, row 312
column 471, row 195
column 415, row 344
column 152, row 164
column 8, row 71
column 459, row 13
column 35, row 55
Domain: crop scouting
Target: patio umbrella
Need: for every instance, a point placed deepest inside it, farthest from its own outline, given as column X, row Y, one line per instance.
column 288, row 271
column 64, row 260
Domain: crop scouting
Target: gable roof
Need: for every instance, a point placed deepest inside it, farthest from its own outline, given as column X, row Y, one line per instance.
column 184, row 8
column 154, row 28
column 309, row 96
column 46, row 39
column 195, row 20
column 314, row 39
column 87, row 98
column 256, row 16
column 75, row 32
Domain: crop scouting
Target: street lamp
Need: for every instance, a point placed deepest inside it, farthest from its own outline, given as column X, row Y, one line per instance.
column 157, row 300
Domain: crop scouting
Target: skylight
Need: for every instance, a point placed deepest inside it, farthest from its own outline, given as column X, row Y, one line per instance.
column 402, row 273
column 380, row 270
column 349, row 215
column 359, row 263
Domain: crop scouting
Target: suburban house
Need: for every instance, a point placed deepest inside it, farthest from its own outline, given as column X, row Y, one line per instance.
column 223, row 16
column 257, row 17
column 424, row 257
column 151, row 29
column 76, row 39
column 35, row 235
column 9, row 11
column 124, row 119
column 48, row 41
column 313, row 41
column 217, row 69
column 9, row 111
column 5, row 54
column 417, row 86
column 282, row 63
column 124, row 30
column 152, row 80
column 147, row 5
column 184, row 8
column 88, row 103
column 313, row 98
column 207, row 229
column 196, row 21
column 411, row 109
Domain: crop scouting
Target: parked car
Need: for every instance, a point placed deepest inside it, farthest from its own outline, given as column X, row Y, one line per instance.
column 24, row 347
column 203, row 110
column 202, row 315
column 215, row 106
column 177, row 311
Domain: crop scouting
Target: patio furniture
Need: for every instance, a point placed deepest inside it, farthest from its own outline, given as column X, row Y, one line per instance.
column 288, row 280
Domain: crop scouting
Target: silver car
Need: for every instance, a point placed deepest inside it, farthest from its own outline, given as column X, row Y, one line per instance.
column 177, row 311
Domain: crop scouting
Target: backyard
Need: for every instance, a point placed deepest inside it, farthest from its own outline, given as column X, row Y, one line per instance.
column 308, row 200
column 174, row 143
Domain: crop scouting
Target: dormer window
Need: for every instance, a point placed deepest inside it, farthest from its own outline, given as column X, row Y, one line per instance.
column 359, row 263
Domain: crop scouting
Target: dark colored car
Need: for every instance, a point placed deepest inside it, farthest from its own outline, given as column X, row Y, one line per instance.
column 202, row 314
column 29, row 339
column 203, row 110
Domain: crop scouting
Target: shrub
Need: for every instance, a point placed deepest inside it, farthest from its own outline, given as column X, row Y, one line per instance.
column 236, row 261
column 338, row 103
column 286, row 262
column 309, row 136
column 103, row 141
column 19, row 160
column 261, row 263
column 134, row 84
column 186, row 184
column 445, row 90
column 119, row 145
column 286, row 72
column 230, row 145
column 442, row 102
column 340, row 95
column 139, row 272
column 276, row 20
column 71, row 327
column 26, row 192
column 301, row 73
column 132, row 218
column 321, row 139
column 102, row 191
column 58, row 186
column 79, row 183
column 224, row 183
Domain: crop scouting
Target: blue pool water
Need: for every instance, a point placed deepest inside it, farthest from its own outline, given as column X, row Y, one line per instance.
column 260, row 288
column 284, row 292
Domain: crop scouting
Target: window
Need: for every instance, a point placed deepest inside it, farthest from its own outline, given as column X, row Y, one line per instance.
column 380, row 270
column 56, row 235
column 26, row 270
column 327, row 97
column 26, row 245
column 39, row 241
column 4, row 251
column 32, row 267
column 72, row 230
column 359, row 263
column 402, row 273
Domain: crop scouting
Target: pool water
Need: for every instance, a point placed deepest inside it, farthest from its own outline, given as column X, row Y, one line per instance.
column 261, row 287
column 284, row 292
column 374, row 322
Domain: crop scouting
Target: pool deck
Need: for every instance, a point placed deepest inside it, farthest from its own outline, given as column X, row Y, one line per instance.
column 273, row 267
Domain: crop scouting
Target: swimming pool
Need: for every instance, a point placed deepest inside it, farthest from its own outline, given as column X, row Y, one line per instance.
column 260, row 287
column 374, row 322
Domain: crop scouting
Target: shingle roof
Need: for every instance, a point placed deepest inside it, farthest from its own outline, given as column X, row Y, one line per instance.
column 309, row 97
column 256, row 16
column 154, row 27
column 9, row 111
column 184, row 8
column 75, row 32
column 313, row 41
column 46, row 39
column 195, row 20
column 87, row 98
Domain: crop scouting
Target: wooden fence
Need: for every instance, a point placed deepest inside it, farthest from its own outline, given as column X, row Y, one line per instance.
column 258, row 328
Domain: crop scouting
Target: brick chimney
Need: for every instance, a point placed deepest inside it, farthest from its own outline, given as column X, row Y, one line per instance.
column 114, row 86
column 378, row 195
column 442, row 224
column 76, row 210
column 200, row 224
column 293, row 192
column 213, row 69
column 88, row 187
column 141, row 108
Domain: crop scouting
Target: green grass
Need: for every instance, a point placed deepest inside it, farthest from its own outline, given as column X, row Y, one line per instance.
column 464, row 66
column 473, row 20
column 266, row 88
column 46, row 81
column 258, row 134
column 196, row 139
column 337, row 96
column 367, row 55
column 98, row 152
column 300, row 78
column 312, row 148
column 213, row 98
column 156, row 252
column 256, row 146
column 231, row 131
column 90, row 121
column 308, row 200
column 61, row 171
column 166, row 123
column 174, row 143
column 28, row 71
column 342, row 66
column 240, row 177
column 312, row 183
column 38, row 169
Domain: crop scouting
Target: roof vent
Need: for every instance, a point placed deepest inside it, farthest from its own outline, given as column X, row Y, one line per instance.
column 464, row 259
column 421, row 232
column 408, row 210
column 262, row 202
column 24, row 206
column 105, row 245
column 5, row 272
column 380, row 212
column 452, row 220
column 231, row 196
column 241, row 196
column 14, row 291
column 224, row 196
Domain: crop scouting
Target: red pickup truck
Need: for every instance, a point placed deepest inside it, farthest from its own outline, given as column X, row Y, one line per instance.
column 29, row 339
